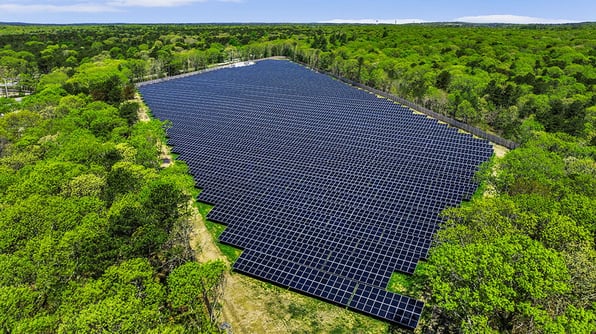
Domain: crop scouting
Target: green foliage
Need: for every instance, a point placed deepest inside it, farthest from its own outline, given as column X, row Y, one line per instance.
column 126, row 215
column 521, row 259
column 125, row 177
column 56, row 78
column 16, row 304
column 104, row 80
column 14, row 124
column 548, row 165
column 84, row 185
column 165, row 203
column 402, row 283
column 194, row 291
column 101, row 119
column 542, row 71
column 44, row 101
column 503, row 281
column 126, row 298
column 129, row 111
column 90, row 226
column 146, row 138
column 81, row 146
column 46, row 177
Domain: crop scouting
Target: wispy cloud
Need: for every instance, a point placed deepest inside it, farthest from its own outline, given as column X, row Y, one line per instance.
column 152, row 3
column 511, row 19
column 374, row 21
column 97, row 7
column 75, row 8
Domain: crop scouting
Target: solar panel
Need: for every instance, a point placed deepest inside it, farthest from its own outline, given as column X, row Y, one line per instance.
column 326, row 188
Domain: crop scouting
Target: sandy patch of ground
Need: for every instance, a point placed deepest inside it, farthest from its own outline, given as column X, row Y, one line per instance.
column 499, row 150
column 165, row 155
column 242, row 307
column 143, row 113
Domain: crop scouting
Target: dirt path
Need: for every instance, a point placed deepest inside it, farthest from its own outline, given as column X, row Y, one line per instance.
column 201, row 242
column 251, row 306
column 143, row 111
column 242, row 306
column 165, row 155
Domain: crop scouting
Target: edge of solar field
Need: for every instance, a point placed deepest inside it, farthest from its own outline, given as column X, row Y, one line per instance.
column 405, row 310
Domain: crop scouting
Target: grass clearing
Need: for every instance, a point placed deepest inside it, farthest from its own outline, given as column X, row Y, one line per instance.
column 400, row 283
column 215, row 230
column 500, row 151
column 303, row 314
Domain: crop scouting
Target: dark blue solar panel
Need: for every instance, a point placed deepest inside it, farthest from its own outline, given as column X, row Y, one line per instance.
column 327, row 188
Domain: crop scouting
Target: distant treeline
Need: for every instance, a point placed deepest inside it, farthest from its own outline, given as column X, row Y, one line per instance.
column 491, row 77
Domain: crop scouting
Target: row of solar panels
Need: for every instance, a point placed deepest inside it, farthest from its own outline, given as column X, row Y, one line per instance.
column 355, row 124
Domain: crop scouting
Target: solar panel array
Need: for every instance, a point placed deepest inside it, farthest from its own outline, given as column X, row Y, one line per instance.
column 327, row 188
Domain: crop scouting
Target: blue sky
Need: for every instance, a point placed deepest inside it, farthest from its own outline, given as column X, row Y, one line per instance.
column 370, row 11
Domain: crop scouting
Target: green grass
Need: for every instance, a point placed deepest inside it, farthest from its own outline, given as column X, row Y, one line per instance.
column 400, row 283
column 304, row 314
column 406, row 284
column 480, row 192
column 203, row 208
column 215, row 229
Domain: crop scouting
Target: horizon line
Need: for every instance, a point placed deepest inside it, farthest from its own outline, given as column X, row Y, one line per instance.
column 329, row 22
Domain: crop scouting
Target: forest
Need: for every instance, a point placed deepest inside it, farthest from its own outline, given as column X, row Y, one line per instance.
column 94, row 232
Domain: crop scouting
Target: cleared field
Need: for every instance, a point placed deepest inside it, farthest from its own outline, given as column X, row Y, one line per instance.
column 327, row 189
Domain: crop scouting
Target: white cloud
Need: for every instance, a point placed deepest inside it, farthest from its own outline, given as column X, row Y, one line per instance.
column 374, row 21
column 76, row 8
column 512, row 19
column 159, row 3
column 96, row 7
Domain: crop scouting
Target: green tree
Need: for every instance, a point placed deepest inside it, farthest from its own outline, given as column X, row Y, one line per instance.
column 16, row 304
column 165, row 202
column 496, row 285
column 531, row 170
column 126, row 177
column 129, row 111
column 14, row 124
column 194, row 291
column 126, row 299
column 105, row 80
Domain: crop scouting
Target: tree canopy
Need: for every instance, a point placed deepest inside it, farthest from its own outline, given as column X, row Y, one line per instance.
column 89, row 222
